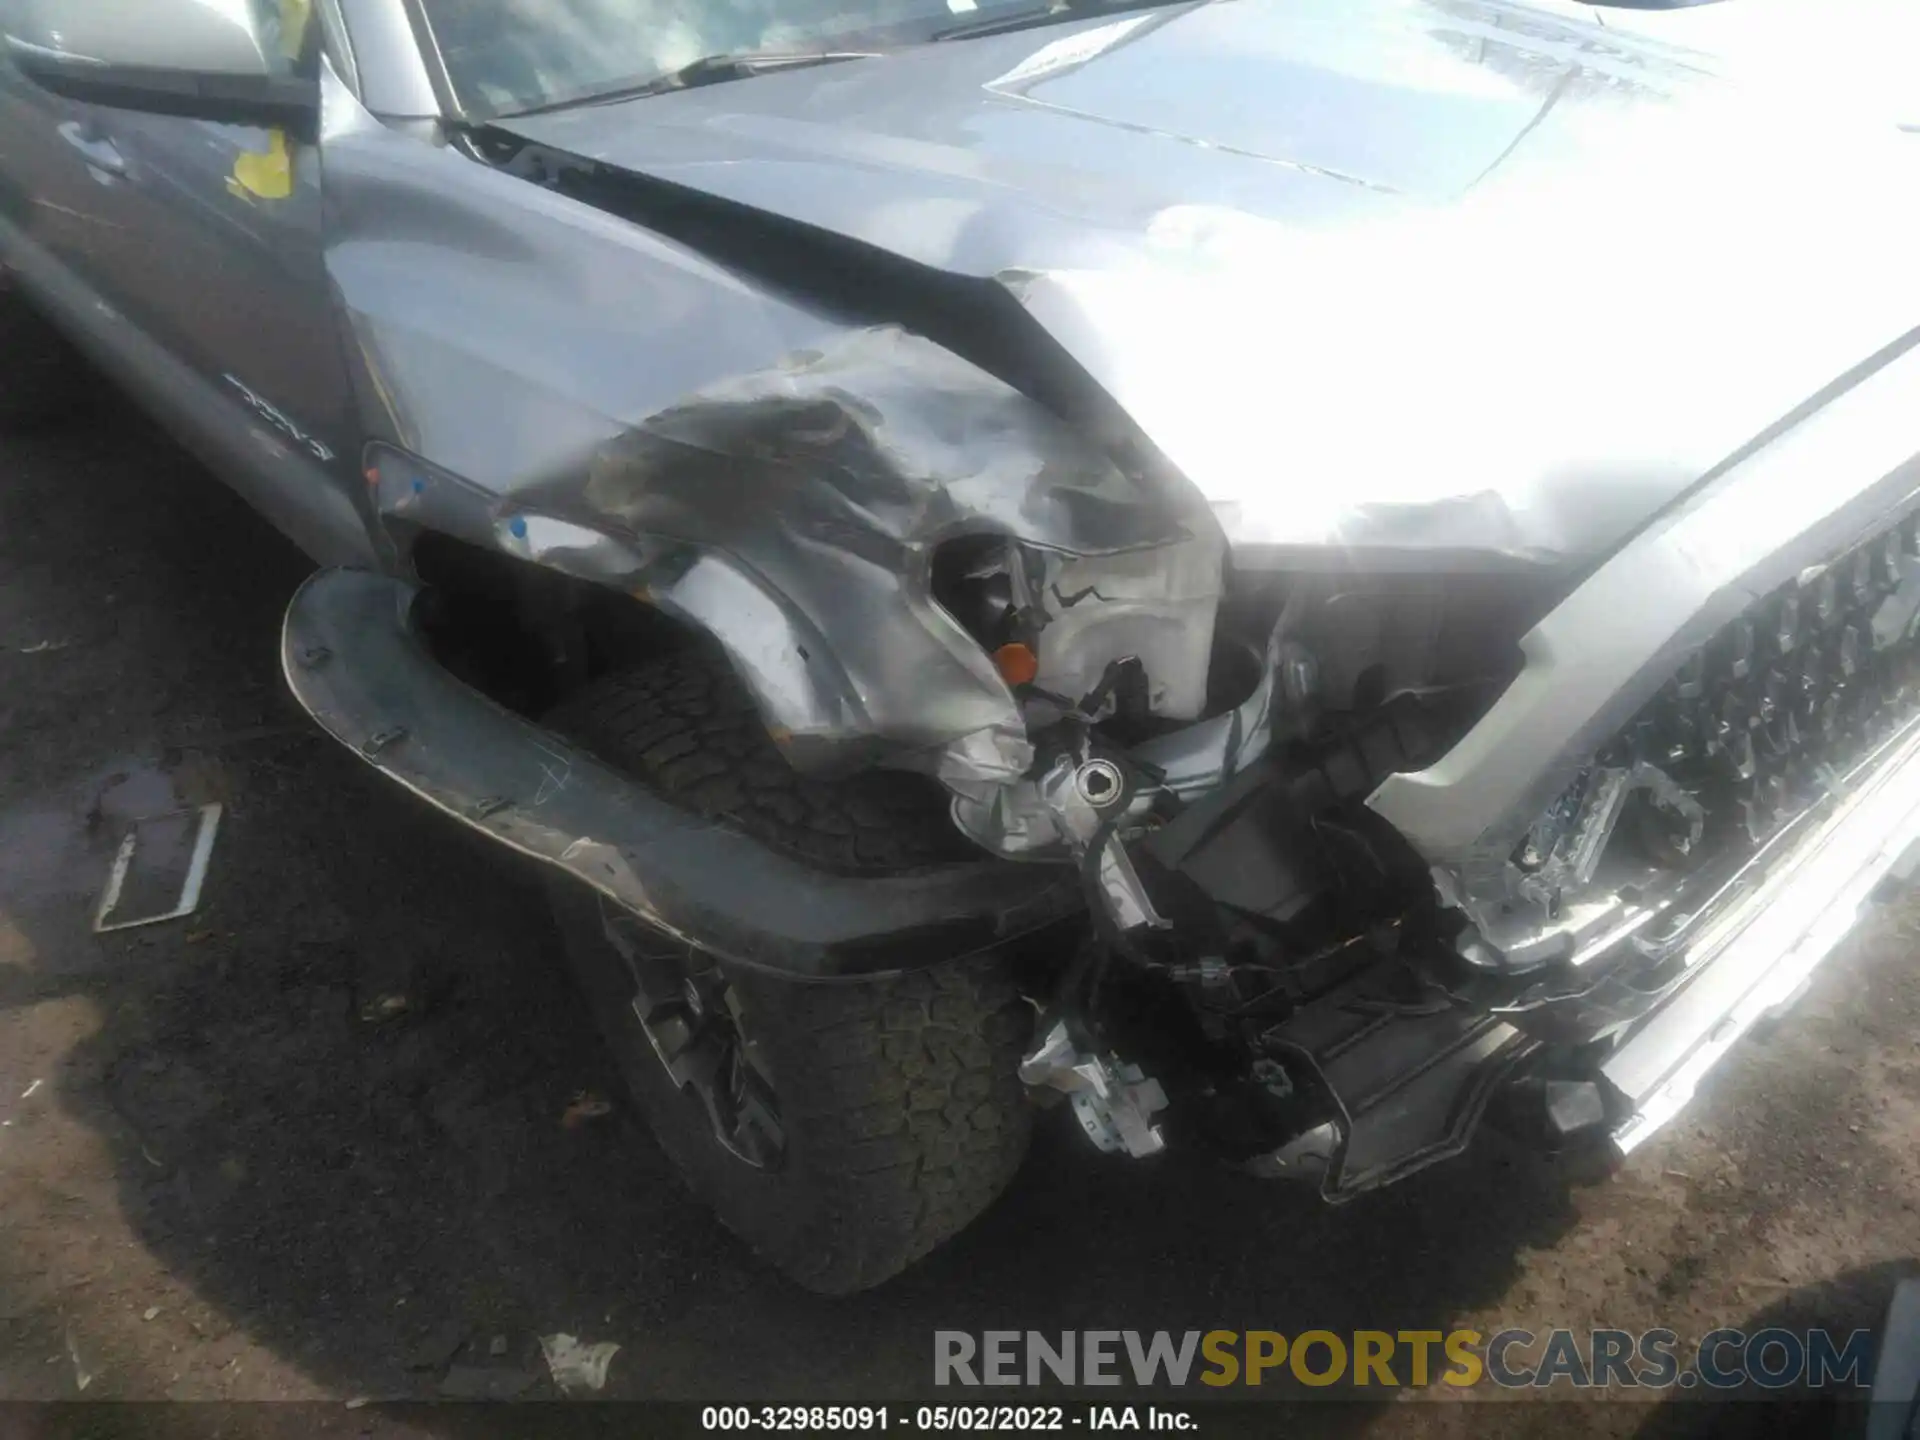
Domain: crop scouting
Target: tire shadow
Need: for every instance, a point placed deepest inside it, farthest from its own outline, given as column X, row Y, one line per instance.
column 1853, row 1300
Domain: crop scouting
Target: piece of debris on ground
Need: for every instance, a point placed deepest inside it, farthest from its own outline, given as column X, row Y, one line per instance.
column 585, row 1106
column 159, row 869
column 578, row 1368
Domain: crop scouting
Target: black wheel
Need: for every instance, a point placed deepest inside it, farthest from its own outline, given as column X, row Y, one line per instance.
column 40, row 374
column 843, row 1130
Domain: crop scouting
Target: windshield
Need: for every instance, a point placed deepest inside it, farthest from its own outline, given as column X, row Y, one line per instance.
column 508, row 55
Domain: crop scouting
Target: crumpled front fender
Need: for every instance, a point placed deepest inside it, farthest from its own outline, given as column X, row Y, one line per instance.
column 793, row 513
column 563, row 386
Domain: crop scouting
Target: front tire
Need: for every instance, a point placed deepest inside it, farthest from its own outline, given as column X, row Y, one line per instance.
column 842, row 1129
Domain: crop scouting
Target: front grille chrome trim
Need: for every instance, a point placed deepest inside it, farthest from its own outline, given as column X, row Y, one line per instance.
column 1756, row 956
column 1810, row 494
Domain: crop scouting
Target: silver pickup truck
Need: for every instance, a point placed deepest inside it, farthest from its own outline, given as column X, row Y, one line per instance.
column 1287, row 576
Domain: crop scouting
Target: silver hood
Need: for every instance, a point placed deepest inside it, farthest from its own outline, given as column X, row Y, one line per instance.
column 1390, row 275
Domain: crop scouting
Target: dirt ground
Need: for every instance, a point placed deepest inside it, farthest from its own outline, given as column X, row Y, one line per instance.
column 311, row 1142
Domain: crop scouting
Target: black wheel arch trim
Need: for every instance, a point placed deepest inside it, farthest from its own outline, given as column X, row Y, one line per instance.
column 355, row 661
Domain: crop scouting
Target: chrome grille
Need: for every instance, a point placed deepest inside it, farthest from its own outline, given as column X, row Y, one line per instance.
column 1763, row 718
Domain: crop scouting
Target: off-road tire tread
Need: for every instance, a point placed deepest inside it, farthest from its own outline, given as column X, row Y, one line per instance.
column 914, row 1116
column 903, row 1108
column 686, row 727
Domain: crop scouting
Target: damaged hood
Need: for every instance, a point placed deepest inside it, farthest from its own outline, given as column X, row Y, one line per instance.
column 1388, row 275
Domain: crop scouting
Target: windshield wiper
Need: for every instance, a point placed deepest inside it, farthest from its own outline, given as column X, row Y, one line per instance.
column 707, row 70
column 1042, row 15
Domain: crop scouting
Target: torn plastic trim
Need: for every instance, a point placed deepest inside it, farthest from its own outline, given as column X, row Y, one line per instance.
column 1407, row 1079
column 1601, row 654
column 1578, row 1001
column 355, row 661
column 1576, row 901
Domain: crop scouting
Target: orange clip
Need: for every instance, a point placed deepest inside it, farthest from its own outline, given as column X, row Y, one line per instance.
column 1017, row 663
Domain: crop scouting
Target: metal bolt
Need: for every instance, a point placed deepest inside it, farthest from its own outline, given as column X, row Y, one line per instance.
column 1099, row 782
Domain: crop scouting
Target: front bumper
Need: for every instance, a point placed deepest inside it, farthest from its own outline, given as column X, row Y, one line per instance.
column 1626, row 1014
column 1409, row 1076
column 1754, row 958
